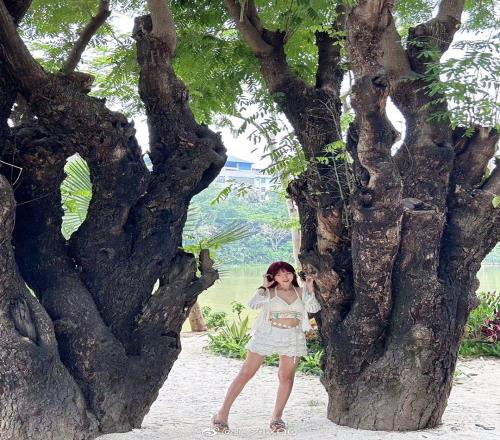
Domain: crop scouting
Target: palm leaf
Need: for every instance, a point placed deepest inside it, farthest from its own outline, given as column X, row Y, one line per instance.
column 76, row 193
column 232, row 233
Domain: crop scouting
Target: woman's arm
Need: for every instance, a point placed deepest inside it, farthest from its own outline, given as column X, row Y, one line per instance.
column 311, row 304
column 260, row 297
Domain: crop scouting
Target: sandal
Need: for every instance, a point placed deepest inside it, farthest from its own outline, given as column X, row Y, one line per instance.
column 277, row 425
column 220, row 426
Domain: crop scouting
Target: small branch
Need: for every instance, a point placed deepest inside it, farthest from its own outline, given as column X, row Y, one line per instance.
column 208, row 274
column 249, row 25
column 163, row 23
column 88, row 32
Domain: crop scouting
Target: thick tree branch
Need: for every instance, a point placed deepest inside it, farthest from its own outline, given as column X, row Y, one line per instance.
column 181, row 281
column 17, row 8
column 185, row 155
column 472, row 231
column 395, row 60
column 15, row 55
column 437, row 34
column 426, row 158
column 85, row 36
column 248, row 23
column 106, row 140
column 450, row 8
column 163, row 23
column 27, row 338
column 329, row 73
column 377, row 202
column 8, row 92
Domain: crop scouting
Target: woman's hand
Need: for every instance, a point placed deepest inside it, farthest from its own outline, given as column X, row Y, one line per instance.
column 265, row 281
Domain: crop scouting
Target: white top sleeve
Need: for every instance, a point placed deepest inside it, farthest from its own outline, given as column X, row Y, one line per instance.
column 311, row 304
column 259, row 299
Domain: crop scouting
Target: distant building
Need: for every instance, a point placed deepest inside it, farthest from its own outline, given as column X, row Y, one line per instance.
column 242, row 171
column 239, row 171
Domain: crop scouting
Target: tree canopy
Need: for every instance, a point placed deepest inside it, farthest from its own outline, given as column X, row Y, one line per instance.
column 228, row 81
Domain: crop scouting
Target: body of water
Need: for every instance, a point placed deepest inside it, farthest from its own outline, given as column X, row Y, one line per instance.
column 240, row 283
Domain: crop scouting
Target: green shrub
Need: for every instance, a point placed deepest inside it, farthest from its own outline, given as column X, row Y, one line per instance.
column 213, row 320
column 477, row 340
column 479, row 348
column 310, row 364
column 231, row 337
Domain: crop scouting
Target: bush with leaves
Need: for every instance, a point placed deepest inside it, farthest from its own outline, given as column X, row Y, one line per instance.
column 482, row 331
column 232, row 336
column 213, row 319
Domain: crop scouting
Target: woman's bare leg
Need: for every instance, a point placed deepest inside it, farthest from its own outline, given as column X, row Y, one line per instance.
column 286, row 375
column 252, row 363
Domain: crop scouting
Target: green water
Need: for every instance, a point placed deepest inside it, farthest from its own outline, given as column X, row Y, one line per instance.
column 489, row 278
column 239, row 284
column 236, row 284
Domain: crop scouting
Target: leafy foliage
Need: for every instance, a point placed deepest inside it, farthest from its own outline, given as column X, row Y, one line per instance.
column 206, row 33
column 482, row 330
column 469, row 84
column 231, row 338
column 213, row 319
column 266, row 220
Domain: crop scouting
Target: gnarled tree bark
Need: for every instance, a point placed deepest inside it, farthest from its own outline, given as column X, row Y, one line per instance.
column 390, row 357
column 106, row 340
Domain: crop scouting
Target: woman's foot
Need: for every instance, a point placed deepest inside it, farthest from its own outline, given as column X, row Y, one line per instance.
column 219, row 425
column 277, row 425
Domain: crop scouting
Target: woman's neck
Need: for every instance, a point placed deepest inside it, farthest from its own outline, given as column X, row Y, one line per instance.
column 284, row 286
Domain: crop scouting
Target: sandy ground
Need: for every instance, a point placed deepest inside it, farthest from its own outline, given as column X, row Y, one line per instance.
column 198, row 382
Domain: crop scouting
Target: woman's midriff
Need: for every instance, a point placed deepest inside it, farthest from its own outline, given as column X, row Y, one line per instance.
column 288, row 322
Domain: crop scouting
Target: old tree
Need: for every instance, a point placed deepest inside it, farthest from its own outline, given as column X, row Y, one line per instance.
column 394, row 238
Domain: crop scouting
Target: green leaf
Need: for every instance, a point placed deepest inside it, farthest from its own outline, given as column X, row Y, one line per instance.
column 76, row 193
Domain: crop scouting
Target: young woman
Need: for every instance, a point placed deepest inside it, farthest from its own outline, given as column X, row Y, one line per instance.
column 279, row 328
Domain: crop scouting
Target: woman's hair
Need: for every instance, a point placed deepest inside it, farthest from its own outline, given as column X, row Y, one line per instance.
column 274, row 268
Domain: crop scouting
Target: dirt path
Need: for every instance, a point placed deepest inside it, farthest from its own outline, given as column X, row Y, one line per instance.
column 198, row 381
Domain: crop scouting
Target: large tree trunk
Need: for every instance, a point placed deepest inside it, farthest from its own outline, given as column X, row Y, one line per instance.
column 89, row 354
column 39, row 398
column 395, row 255
column 422, row 222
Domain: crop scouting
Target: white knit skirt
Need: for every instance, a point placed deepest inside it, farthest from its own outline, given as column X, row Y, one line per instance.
column 269, row 339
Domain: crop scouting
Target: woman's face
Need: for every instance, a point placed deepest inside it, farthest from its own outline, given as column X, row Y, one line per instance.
column 284, row 277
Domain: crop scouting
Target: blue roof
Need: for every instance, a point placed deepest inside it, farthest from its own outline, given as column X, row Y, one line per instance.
column 237, row 159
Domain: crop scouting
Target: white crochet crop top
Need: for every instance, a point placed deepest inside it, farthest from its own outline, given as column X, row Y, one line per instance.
column 279, row 308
